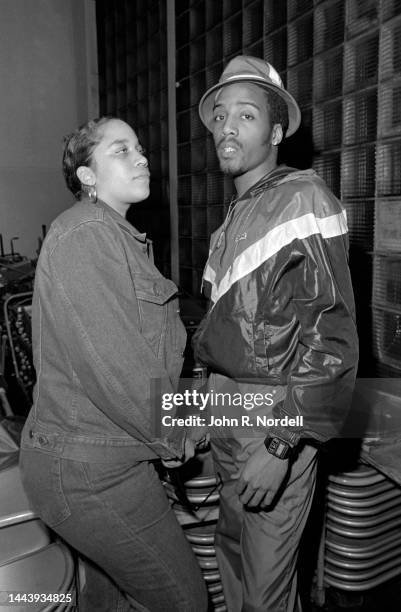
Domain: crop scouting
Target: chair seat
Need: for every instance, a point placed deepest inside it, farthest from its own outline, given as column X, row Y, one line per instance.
column 21, row 539
column 50, row 570
column 14, row 504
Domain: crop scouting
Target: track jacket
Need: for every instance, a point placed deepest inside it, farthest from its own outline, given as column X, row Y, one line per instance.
column 281, row 300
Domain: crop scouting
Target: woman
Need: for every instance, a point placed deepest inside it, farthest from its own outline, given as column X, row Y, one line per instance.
column 107, row 342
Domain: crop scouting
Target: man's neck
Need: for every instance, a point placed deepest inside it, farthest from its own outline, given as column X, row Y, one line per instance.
column 246, row 181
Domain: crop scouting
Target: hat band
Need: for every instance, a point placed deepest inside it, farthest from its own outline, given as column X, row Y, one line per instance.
column 253, row 76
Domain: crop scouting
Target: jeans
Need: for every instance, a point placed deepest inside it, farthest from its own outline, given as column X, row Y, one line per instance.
column 117, row 516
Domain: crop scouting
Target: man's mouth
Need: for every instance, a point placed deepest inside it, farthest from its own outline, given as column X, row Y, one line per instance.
column 228, row 149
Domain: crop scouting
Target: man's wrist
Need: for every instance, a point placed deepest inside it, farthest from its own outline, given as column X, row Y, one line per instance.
column 278, row 448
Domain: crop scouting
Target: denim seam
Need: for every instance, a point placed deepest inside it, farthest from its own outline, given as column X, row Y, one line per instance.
column 134, row 535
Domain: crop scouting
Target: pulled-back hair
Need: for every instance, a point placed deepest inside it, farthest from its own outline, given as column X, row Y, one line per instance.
column 278, row 110
column 78, row 149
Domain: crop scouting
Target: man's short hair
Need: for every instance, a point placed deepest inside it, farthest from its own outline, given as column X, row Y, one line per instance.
column 278, row 110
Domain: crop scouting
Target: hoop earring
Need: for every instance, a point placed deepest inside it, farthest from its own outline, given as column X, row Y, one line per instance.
column 90, row 191
column 92, row 194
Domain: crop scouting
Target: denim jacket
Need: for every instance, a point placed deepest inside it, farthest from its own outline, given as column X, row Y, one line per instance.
column 107, row 341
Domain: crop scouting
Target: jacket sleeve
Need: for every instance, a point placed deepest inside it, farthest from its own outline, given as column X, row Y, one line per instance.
column 96, row 311
column 322, row 374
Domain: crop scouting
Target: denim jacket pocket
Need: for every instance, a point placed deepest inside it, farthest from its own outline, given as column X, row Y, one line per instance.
column 41, row 477
column 153, row 294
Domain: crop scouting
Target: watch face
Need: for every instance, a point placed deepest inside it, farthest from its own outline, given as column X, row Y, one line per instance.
column 278, row 448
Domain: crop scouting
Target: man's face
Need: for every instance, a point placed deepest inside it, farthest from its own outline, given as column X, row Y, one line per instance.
column 242, row 129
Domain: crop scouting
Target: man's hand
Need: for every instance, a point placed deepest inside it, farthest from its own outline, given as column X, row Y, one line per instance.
column 189, row 452
column 260, row 478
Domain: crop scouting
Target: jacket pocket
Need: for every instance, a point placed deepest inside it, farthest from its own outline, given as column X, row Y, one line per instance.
column 158, row 313
column 41, row 477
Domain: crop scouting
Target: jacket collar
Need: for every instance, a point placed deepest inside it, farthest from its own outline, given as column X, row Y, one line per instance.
column 121, row 221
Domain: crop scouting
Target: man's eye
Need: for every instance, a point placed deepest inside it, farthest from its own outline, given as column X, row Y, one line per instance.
column 122, row 150
column 219, row 117
column 247, row 116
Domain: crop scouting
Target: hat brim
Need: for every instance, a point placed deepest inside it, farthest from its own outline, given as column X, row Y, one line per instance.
column 206, row 103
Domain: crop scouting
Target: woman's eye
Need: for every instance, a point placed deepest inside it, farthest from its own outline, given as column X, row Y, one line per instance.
column 219, row 117
column 247, row 116
column 122, row 150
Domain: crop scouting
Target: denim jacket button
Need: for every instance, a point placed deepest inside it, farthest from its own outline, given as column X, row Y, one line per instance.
column 43, row 440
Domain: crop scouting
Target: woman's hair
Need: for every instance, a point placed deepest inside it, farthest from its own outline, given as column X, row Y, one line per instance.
column 78, row 149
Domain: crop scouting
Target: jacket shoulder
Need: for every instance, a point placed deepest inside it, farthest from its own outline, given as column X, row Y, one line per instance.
column 310, row 193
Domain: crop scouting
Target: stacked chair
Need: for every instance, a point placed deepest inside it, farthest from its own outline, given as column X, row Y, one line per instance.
column 31, row 562
column 193, row 491
column 363, row 530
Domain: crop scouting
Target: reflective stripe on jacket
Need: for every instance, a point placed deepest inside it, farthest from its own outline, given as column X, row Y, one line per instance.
column 282, row 307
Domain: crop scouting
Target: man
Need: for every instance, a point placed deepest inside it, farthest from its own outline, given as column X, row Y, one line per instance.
column 281, row 325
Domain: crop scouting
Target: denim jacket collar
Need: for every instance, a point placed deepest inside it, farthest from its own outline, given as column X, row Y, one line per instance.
column 122, row 222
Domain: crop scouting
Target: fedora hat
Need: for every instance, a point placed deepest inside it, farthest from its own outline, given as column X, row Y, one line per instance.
column 247, row 69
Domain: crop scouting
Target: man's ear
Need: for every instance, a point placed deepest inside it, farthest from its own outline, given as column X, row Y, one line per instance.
column 277, row 135
column 86, row 175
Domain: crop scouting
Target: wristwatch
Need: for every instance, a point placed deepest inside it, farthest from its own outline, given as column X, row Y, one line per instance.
column 277, row 447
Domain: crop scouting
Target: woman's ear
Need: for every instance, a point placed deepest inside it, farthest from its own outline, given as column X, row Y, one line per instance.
column 86, row 175
column 277, row 136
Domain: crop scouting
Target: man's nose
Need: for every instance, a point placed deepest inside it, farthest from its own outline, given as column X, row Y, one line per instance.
column 230, row 127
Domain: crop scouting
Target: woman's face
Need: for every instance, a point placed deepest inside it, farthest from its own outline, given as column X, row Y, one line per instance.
column 118, row 167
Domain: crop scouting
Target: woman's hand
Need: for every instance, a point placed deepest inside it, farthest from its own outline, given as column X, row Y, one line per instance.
column 189, row 452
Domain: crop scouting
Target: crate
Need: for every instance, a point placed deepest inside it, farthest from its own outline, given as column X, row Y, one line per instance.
column 388, row 169
column 358, row 172
column 300, row 40
column 360, row 117
column 386, row 332
column 389, row 115
column 328, row 25
column 388, row 225
column 387, row 280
